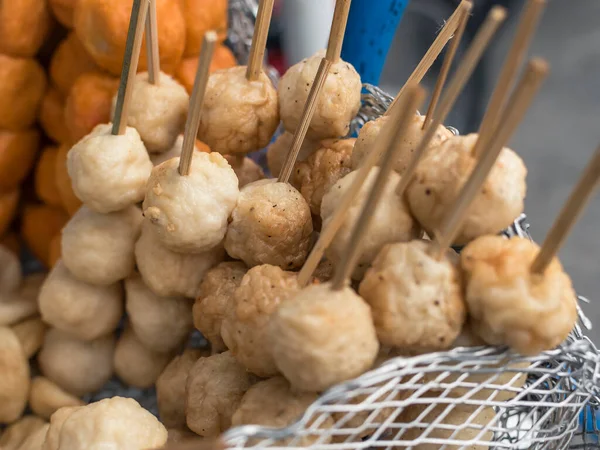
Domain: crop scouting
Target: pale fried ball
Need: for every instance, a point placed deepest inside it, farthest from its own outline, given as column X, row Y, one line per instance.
column 24, row 26
column 271, row 224
column 99, row 248
column 172, row 274
column 56, row 422
column 16, row 433
column 157, row 111
column 79, row 367
column 244, row 329
column 441, row 175
column 391, row 220
column 277, row 152
column 214, row 297
column 509, row 305
column 161, row 323
column 117, row 423
column 238, row 116
column 14, row 377
column 81, row 309
column 245, row 169
column 30, row 333
column 109, row 172
column 46, row 397
column 321, row 337
column 189, row 213
column 338, row 101
column 10, row 271
column 35, row 441
column 314, row 177
column 175, row 151
column 410, row 141
column 215, row 386
column 416, row 299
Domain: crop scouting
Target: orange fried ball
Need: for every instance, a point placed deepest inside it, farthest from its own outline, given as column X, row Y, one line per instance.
column 186, row 72
column 39, row 225
column 52, row 116
column 17, row 155
column 8, row 207
column 200, row 17
column 70, row 202
column 64, row 11
column 22, row 85
column 45, row 178
column 24, row 25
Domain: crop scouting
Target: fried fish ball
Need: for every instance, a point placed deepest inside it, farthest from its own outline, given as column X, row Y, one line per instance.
column 441, row 175
column 338, row 101
column 510, row 305
column 52, row 116
column 99, row 248
column 39, row 224
column 168, row 273
column 109, row 172
column 245, row 169
column 22, row 87
column 410, row 141
column 271, row 224
column 46, row 397
column 14, row 377
column 214, row 297
column 157, row 111
column 85, row 311
column 244, row 328
column 322, row 169
column 175, row 151
column 30, row 333
column 321, row 337
column 35, row 441
column 202, row 16
column 24, row 25
column 223, row 58
column 56, row 422
column 238, row 116
column 64, row 11
column 69, row 200
column 11, row 274
column 69, row 61
column 215, row 386
column 161, row 323
column 416, row 299
column 8, row 207
column 45, row 177
column 278, row 150
column 211, row 187
column 391, row 222
column 18, row 150
column 14, row 434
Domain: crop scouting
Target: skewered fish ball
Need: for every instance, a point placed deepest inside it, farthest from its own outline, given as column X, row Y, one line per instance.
column 168, row 273
column 245, row 169
column 244, row 329
column 189, row 213
column 223, row 58
column 509, row 305
column 338, row 101
column 271, row 224
column 175, row 151
column 410, row 141
column 277, row 152
column 14, row 377
column 392, row 221
column 321, row 337
column 441, row 175
column 238, row 116
column 109, row 172
column 416, row 299
column 99, row 248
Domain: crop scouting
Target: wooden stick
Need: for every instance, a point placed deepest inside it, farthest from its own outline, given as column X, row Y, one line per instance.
column 436, row 48
column 307, row 114
column 414, row 98
column 517, row 106
column 259, row 39
column 570, row 212
column 337, row 31
column 196, row 100
column 130, row 63
column 152, row 52
column 516, row 54
column 447, row 64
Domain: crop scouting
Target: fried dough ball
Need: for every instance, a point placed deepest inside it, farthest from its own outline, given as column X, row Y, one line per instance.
column 321, row 337
column 99, row 248
column 64, row 11
column 314, row 177
column 102, row 25
column 244, row 328
column 509, row 305
column 416, row 299
column 56, row 422
column 52, row 116
column 198, row 223
column 214, row 297
column 277, row 152
column 157, row 111
column 223, row 58
column 338, row 101
column 271, row 224
column 161, row 323
column 69, row 61
column 238, row 116
column 245, row 169
column 168, row 273
column 8, row 207
column 46, row 397
column 391, row 222
column 14, row 377
column 117, row 423
column 17, row 155
column 45, row 177
column 24, row 25
column 14, row 434
column 441, row 175
column 69, row 200
column 30, row 333
column 55, row 250
column 23, row 303
column 215, row 386
column 39, row 224
column 175, row 151
column 202, row 16
column 10, row 271
column 85, row 311
column 35, row 440
column 21, row 90
column 410, row 141
column 109, row 172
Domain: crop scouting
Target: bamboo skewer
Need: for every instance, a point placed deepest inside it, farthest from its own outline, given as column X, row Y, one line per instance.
column 259, row 39
column 130, row 63
column 569, row 214
column 337, row 31
column 516, row 54
column 152, row 52
column 414, row 98
column 517, row 106
column 193, row 119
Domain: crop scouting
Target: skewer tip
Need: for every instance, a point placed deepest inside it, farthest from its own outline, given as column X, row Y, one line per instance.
column 498, row 13
column 210, row 36
column 539, row 65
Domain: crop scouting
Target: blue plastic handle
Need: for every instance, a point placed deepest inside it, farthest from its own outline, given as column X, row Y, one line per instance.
column 369, row 34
